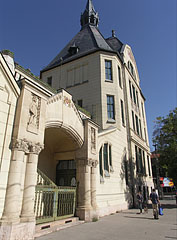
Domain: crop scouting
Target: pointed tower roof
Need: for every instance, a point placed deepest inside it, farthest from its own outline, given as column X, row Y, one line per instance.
column 90, row 16
column 87, row 41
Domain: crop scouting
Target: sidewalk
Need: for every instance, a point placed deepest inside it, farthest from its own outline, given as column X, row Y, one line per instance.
column 127, row 225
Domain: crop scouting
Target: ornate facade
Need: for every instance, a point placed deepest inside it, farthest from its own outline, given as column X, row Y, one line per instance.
column 104, row 154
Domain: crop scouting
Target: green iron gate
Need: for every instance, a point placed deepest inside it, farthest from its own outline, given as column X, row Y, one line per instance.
column 52, row 202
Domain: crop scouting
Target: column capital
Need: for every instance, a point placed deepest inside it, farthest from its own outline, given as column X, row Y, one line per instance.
column 20, row 145
column 35, row 148
column 92, row 162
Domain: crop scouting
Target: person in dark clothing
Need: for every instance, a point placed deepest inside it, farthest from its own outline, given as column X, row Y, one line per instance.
column 155, row 202
column 140, row 201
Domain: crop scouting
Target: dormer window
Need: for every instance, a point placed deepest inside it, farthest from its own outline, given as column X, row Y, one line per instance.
column 73, row 49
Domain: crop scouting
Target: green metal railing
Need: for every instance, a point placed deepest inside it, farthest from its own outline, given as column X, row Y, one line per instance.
column 52, row 202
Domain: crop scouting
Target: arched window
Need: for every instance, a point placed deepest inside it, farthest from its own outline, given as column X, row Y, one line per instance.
column 105, row 161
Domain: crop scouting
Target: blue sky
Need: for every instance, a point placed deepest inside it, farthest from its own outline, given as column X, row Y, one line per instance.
column 37, row 30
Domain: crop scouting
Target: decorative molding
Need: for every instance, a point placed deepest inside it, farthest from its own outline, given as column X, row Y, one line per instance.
column 26, row 146
column 67, row 101
column 20, row 145
column 92, row 162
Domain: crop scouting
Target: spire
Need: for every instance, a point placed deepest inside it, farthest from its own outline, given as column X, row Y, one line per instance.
column 90, row 16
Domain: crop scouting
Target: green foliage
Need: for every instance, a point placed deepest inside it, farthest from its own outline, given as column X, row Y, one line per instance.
column 165, row 139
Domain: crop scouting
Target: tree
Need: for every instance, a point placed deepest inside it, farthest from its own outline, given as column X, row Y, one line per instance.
column 165, row 139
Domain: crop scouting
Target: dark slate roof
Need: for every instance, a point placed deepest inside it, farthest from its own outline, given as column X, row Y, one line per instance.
column 115, row 43
column 88, row 40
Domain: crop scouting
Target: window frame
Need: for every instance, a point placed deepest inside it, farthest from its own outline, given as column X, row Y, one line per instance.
column 110, row 107
column 108, row 70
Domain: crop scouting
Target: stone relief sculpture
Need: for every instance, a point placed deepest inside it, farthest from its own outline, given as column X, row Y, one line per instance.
column 34, row 110
column 93, row 139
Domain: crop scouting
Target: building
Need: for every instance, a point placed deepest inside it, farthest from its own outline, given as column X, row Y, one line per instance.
column 50, row 142
column 102, row 76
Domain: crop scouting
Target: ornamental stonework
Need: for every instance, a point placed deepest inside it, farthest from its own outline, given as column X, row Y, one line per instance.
column 26, row 146
column 34, row 113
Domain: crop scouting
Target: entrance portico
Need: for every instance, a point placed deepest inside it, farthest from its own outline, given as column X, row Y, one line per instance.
column 48, row 128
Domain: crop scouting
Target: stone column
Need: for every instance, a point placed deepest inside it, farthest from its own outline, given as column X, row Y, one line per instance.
column 93, row 187
column 12, row 205
column 27, row 213
column 84, row 193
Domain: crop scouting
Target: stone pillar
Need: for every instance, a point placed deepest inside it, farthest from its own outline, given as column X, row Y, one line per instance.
column 84, row 193
column 27, row 213
column 93, row 187
column 12, row 205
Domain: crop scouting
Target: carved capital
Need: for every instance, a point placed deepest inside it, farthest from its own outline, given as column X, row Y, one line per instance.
column 35, row 148
column 20, row 145
column 92, row 162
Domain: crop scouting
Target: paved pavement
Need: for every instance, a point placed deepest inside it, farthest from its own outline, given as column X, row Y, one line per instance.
column 127, row 225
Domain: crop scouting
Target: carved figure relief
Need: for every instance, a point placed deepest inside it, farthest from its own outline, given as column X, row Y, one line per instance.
column 93, row 139
column 34, row 110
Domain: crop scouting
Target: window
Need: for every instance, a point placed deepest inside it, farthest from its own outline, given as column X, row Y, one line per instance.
column 137, row 125
column 144, row 164
column 142, row 110
column 105, row 151
column 122, row 112
column 140, row 128
column 149, row 168
column 133, row 120
column 101, row 162
column 137, row 160
column 130, row 87
column 80, row 103
column 110, row 107
column 140, row 160
column 49, row 81
column 108, row 70
column 145, row 138
column 130, row 66
column 119, row 76
column 134, row 96
column 105, row 161
column 137, row 98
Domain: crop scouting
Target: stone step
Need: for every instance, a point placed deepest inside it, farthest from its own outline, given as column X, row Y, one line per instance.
column 46, row 228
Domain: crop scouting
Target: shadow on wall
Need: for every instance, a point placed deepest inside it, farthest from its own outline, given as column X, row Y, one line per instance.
column 127, row 174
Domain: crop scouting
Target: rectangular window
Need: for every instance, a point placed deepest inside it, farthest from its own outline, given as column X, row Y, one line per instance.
column 133, row 120
column 140, row 128
column 144, row 164
column 137, row 125
column 110, row 107
column 149, row 168
column 119, row 76
column 122, row 112
column 137, row 98
column 137, row 160
column 49, row 81
column 140, row 160
column 130, row 87
column 134, row 96
column 108, row 70
column 142, row 110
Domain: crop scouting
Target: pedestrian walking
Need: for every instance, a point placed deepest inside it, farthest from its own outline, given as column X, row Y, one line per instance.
column 155, row 202
column 140, row 201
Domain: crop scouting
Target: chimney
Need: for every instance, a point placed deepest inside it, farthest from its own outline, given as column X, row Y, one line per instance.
column 9, row 57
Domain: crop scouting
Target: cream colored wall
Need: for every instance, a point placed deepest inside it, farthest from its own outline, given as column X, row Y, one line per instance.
column 86, row 88
column 9, row 92
column 111, row 194
column 141, row 142
column 111, row 88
